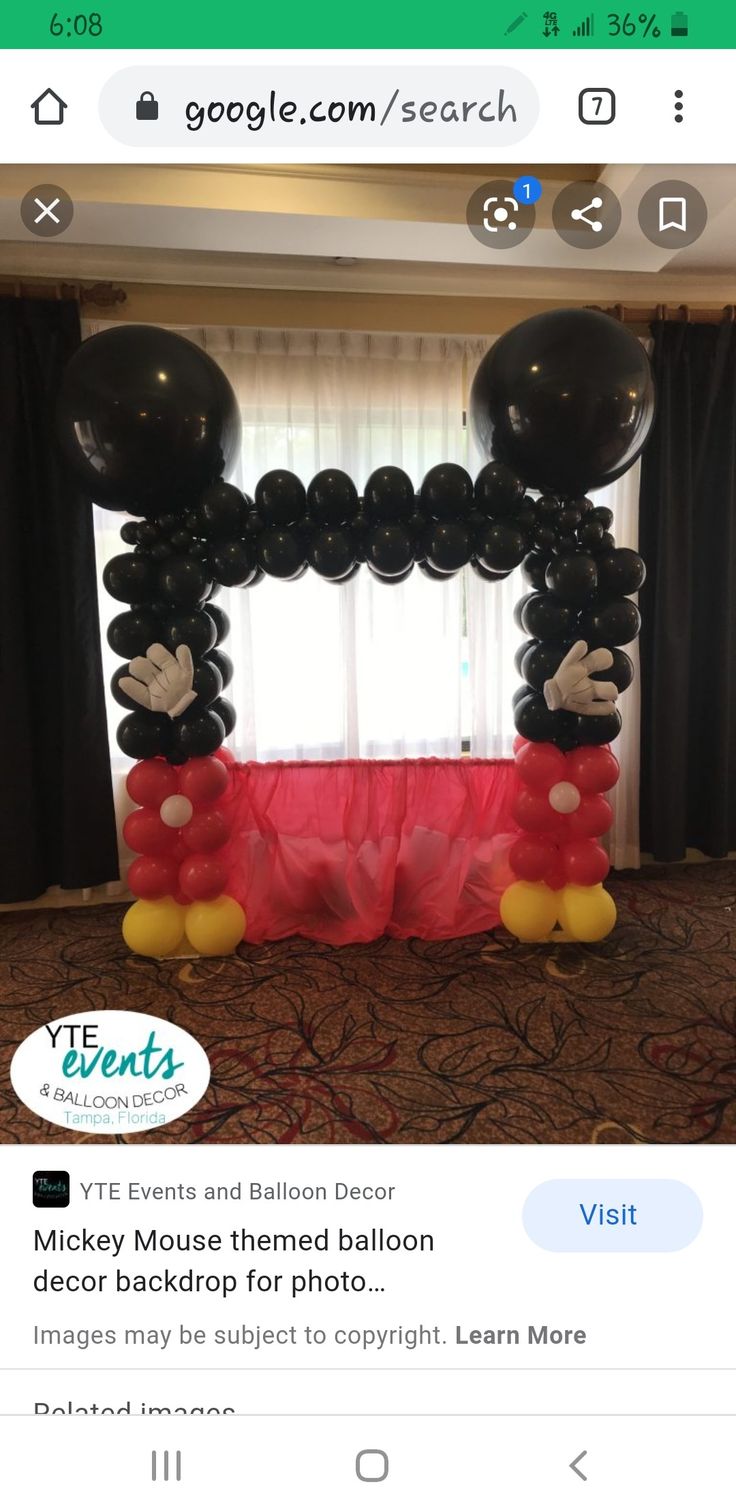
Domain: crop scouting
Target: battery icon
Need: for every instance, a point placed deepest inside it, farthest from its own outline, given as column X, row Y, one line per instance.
column 679, row 26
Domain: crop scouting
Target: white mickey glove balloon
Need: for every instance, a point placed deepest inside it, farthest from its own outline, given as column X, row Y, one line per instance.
column 161, row 682
column 573, row 688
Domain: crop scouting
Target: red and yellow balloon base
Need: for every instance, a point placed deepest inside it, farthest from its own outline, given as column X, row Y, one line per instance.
column 557, row 860
column 180, row 876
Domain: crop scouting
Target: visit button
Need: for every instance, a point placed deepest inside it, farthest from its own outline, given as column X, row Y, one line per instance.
column 610, row 1216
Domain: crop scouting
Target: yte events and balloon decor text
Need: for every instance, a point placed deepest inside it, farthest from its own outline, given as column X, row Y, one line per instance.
column 561, row 405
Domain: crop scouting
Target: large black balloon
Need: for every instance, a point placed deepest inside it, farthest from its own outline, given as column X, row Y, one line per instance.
column 613, row 622
column 131, row 634
column 447, row 492
column 621, row 571
column 521, row 651
column 621, row 673
column 207, row 682
column 448, row 545
column 597, row 729
column 389, row 550
column 222, row 662
column 519, row 608
column 199, row 732
column 146, row 419
column 573, row 578
column 183, row 581
column 566, row 399
column 129, row 578
column 332, row 497
column 332, row 554
column 541, row 661
column 389, row 495
column 225, row 711
column 534, row 567
column 124, row 699
column 546, row 617
column 221, row 620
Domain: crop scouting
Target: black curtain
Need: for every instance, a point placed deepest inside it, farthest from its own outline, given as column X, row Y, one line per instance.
column 688, row 641
column 57, row 822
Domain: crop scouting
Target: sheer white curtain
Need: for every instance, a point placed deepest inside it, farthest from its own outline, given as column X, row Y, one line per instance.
column 367, row 669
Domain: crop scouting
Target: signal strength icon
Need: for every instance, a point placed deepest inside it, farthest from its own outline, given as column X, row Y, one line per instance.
column 586, row 27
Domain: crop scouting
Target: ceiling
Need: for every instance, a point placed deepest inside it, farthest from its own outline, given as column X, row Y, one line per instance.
column 358, row 227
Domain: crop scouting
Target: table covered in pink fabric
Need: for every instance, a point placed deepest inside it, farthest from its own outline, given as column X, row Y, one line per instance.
column 346, row 851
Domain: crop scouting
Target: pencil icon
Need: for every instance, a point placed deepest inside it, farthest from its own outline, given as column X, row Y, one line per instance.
column 516, row 23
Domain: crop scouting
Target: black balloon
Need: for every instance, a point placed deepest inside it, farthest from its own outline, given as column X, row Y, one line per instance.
column 143, row 734
column 534, row 567
column 394, row 577
column 621, row 571
column 520, row 695
column 486, row 574
column 548, row 508
column 195, row 629
column 612, row 622
column 544, row 537
column 183, row 581
column 598, row 729
column 226, row 712
column 447, row 492
column 389, row 550
column 332, row 498
column 565, row 399
column 621, row 673
column 546, row 617
column 257, row 578
column 448, row 545
column 498, row 490
column 207, row 682
column 199, row 732
column 603, row 515
column 281, row 498
column 233, row 562
column 132, row 633
column 222, row 512
column 120, row 697
column 354, row 570
column 535, row 722
column 521, row 651
column 332, row 554
column 541, row 661
column 519, row 608
column 223, row 663
column 145, row 417
column 129, row 533
column 389, row 495
column 590, row 534
column 500, row 547
column 129, row 578
column 281, row 554
column 221, row 620
column 573, row 578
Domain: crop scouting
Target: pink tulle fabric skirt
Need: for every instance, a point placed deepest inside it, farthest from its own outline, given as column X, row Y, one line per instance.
column 346, row 851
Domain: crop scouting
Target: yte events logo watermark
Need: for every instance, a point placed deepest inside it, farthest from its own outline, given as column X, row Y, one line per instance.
column 110, row 1073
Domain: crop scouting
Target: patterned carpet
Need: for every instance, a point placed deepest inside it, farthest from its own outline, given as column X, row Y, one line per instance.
column 480, row 1039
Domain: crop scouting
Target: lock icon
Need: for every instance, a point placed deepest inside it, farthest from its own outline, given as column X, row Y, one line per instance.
column 146, row 108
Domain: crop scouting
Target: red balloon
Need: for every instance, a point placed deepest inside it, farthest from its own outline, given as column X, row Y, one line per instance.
column 540, row 764
column 207, row 831
column 519, row 742
column 153, row 877
column 531, row 857
column 144, row 830
column 594, row 817
column 202, row 877
column 584, row 862
column 593, row 769
column 533, row 811
column 555, row 877
column 204, row 779
column 226, row 755
column 149, row 782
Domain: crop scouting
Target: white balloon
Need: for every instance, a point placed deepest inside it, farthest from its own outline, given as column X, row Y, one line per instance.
column 564, row 798
column 177, row 810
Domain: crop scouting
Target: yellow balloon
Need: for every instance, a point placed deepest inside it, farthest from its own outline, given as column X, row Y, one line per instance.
column 215, row 928
column 529, row 910
column 586, row 913
column 155, row 927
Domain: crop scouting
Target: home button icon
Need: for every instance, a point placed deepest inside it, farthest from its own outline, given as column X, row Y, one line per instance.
column 371, row 1465
column 49, row 108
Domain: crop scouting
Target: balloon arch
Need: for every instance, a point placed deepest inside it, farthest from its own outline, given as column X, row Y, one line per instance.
column 562, row 404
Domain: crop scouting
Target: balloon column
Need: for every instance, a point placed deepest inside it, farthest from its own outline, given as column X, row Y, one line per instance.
column 567, row 399
column 149, row 424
